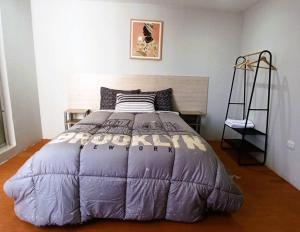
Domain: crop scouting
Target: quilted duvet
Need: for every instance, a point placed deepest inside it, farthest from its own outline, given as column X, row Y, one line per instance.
column 123, row 166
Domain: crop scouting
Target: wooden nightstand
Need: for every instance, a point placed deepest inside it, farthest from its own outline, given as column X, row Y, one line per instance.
column 193, row 118
column 72, row 116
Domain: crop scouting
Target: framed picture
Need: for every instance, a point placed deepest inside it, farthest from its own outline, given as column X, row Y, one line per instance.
column 146, row 39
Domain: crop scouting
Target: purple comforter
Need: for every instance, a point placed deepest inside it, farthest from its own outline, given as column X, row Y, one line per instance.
column 124, row 166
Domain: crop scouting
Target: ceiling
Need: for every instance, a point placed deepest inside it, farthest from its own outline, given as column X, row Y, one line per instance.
column 225, row 5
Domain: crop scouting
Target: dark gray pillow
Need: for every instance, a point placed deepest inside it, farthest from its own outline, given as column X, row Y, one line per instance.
column 108, row 97
column 163, row 99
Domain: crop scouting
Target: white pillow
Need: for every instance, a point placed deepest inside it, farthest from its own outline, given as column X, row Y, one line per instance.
column 135, row 102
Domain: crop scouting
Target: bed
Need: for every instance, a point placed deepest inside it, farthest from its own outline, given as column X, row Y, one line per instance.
column 123, row 165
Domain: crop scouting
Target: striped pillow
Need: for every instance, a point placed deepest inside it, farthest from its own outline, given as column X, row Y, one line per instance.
column 135, row 102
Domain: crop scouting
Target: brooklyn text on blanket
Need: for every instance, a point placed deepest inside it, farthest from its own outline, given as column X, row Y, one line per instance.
column 189, row 141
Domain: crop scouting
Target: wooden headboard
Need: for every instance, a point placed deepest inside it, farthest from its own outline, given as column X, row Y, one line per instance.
column 189, row 92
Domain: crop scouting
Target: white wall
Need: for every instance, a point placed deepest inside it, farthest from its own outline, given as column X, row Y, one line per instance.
column 20, row 66
column 273, row 25
column 74, row 37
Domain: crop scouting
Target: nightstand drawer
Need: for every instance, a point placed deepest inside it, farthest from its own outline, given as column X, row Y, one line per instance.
column 193, row 119
column 189, row 119
column 72, row 116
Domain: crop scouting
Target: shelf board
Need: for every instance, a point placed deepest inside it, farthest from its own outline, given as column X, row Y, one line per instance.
column 192, row 113
column 247, row 131
column 74, row 121
column 76, row 111
column 247, row 146
column 194, row 124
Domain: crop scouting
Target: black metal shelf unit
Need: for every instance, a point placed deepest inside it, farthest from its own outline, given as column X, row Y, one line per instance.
column 242, row 145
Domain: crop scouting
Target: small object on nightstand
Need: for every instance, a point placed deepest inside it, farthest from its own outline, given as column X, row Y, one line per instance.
column 72, row 116
column 193, row 118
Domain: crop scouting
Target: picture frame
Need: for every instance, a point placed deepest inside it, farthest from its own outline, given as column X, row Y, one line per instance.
column 146, row 39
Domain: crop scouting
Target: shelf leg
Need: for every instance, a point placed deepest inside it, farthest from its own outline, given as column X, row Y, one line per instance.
column 66, row 119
